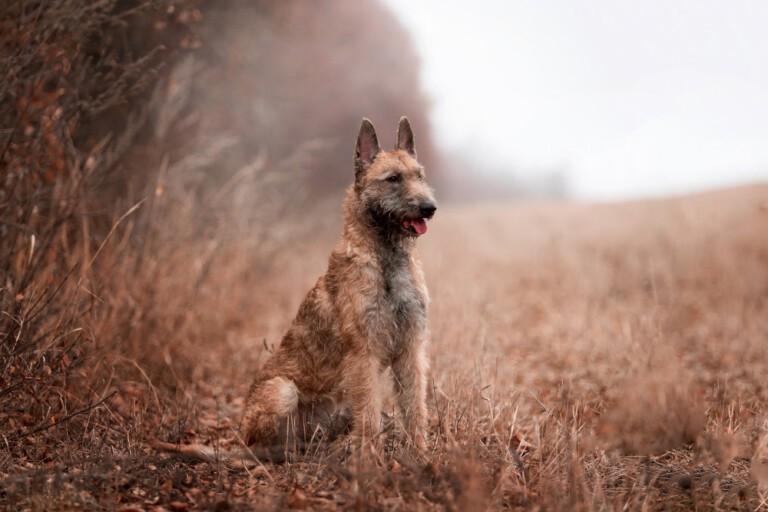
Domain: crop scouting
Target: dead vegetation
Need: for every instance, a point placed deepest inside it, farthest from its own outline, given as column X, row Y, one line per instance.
column 155, row 245
column 619, row 347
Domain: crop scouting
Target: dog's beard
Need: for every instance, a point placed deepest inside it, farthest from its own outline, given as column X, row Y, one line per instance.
column 396, row 225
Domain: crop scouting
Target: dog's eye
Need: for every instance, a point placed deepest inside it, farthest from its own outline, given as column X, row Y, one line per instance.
column 394, row 178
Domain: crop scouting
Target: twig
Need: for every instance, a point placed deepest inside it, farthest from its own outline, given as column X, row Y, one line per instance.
column 146, row 377
column 62, row 420
column 32, row 314
column 440, row 425
column 109, row 235
column 11, row 389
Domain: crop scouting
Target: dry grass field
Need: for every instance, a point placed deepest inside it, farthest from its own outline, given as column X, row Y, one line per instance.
column 170, row 182
column 585, row 357
column 604, row 356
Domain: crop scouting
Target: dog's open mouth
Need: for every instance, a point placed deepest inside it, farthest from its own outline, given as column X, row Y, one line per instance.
column 416, row 226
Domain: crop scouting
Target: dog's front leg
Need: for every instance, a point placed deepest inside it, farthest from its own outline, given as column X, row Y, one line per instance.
column 360, row 373
column 410, row 370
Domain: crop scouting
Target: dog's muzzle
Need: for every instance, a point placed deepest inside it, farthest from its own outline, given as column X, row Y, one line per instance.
column 427, row 209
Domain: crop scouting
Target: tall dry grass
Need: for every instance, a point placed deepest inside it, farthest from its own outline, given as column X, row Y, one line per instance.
column 607, row 355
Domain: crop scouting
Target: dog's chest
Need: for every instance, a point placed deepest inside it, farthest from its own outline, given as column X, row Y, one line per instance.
column 403, row 303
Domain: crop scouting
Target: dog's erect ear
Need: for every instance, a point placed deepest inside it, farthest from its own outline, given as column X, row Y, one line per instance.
column 367, row 146
column 405, row 137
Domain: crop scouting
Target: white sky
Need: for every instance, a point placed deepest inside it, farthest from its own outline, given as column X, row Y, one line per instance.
column 631, row 98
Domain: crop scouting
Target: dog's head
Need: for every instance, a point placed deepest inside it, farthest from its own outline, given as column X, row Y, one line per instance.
column 390, row 185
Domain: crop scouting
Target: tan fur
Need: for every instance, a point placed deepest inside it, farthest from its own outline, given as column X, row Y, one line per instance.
column 367, row 313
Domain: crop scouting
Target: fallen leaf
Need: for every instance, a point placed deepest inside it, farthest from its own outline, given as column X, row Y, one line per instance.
column 297, row 499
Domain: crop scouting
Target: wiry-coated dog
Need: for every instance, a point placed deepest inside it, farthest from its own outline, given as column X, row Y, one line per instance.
column 366, row 314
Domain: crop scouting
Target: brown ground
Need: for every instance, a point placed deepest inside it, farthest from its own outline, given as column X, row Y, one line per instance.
column 585, row 357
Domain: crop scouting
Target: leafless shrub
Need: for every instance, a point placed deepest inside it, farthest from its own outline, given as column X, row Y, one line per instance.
column 67, row 70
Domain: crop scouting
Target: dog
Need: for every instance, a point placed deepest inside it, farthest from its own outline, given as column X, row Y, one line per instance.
column 365, row 315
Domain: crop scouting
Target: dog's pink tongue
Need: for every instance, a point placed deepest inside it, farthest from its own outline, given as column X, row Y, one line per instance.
column 420, row 225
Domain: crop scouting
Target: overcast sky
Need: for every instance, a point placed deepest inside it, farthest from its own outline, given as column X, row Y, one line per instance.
column 630, row 98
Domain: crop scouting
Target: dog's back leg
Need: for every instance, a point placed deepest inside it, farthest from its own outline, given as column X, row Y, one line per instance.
column 269, row 403
column 322, row 419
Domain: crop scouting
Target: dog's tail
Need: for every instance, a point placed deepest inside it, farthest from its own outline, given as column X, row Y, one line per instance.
column 205, row 453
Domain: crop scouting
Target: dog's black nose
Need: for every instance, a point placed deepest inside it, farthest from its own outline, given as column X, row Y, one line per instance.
column 427, row 209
